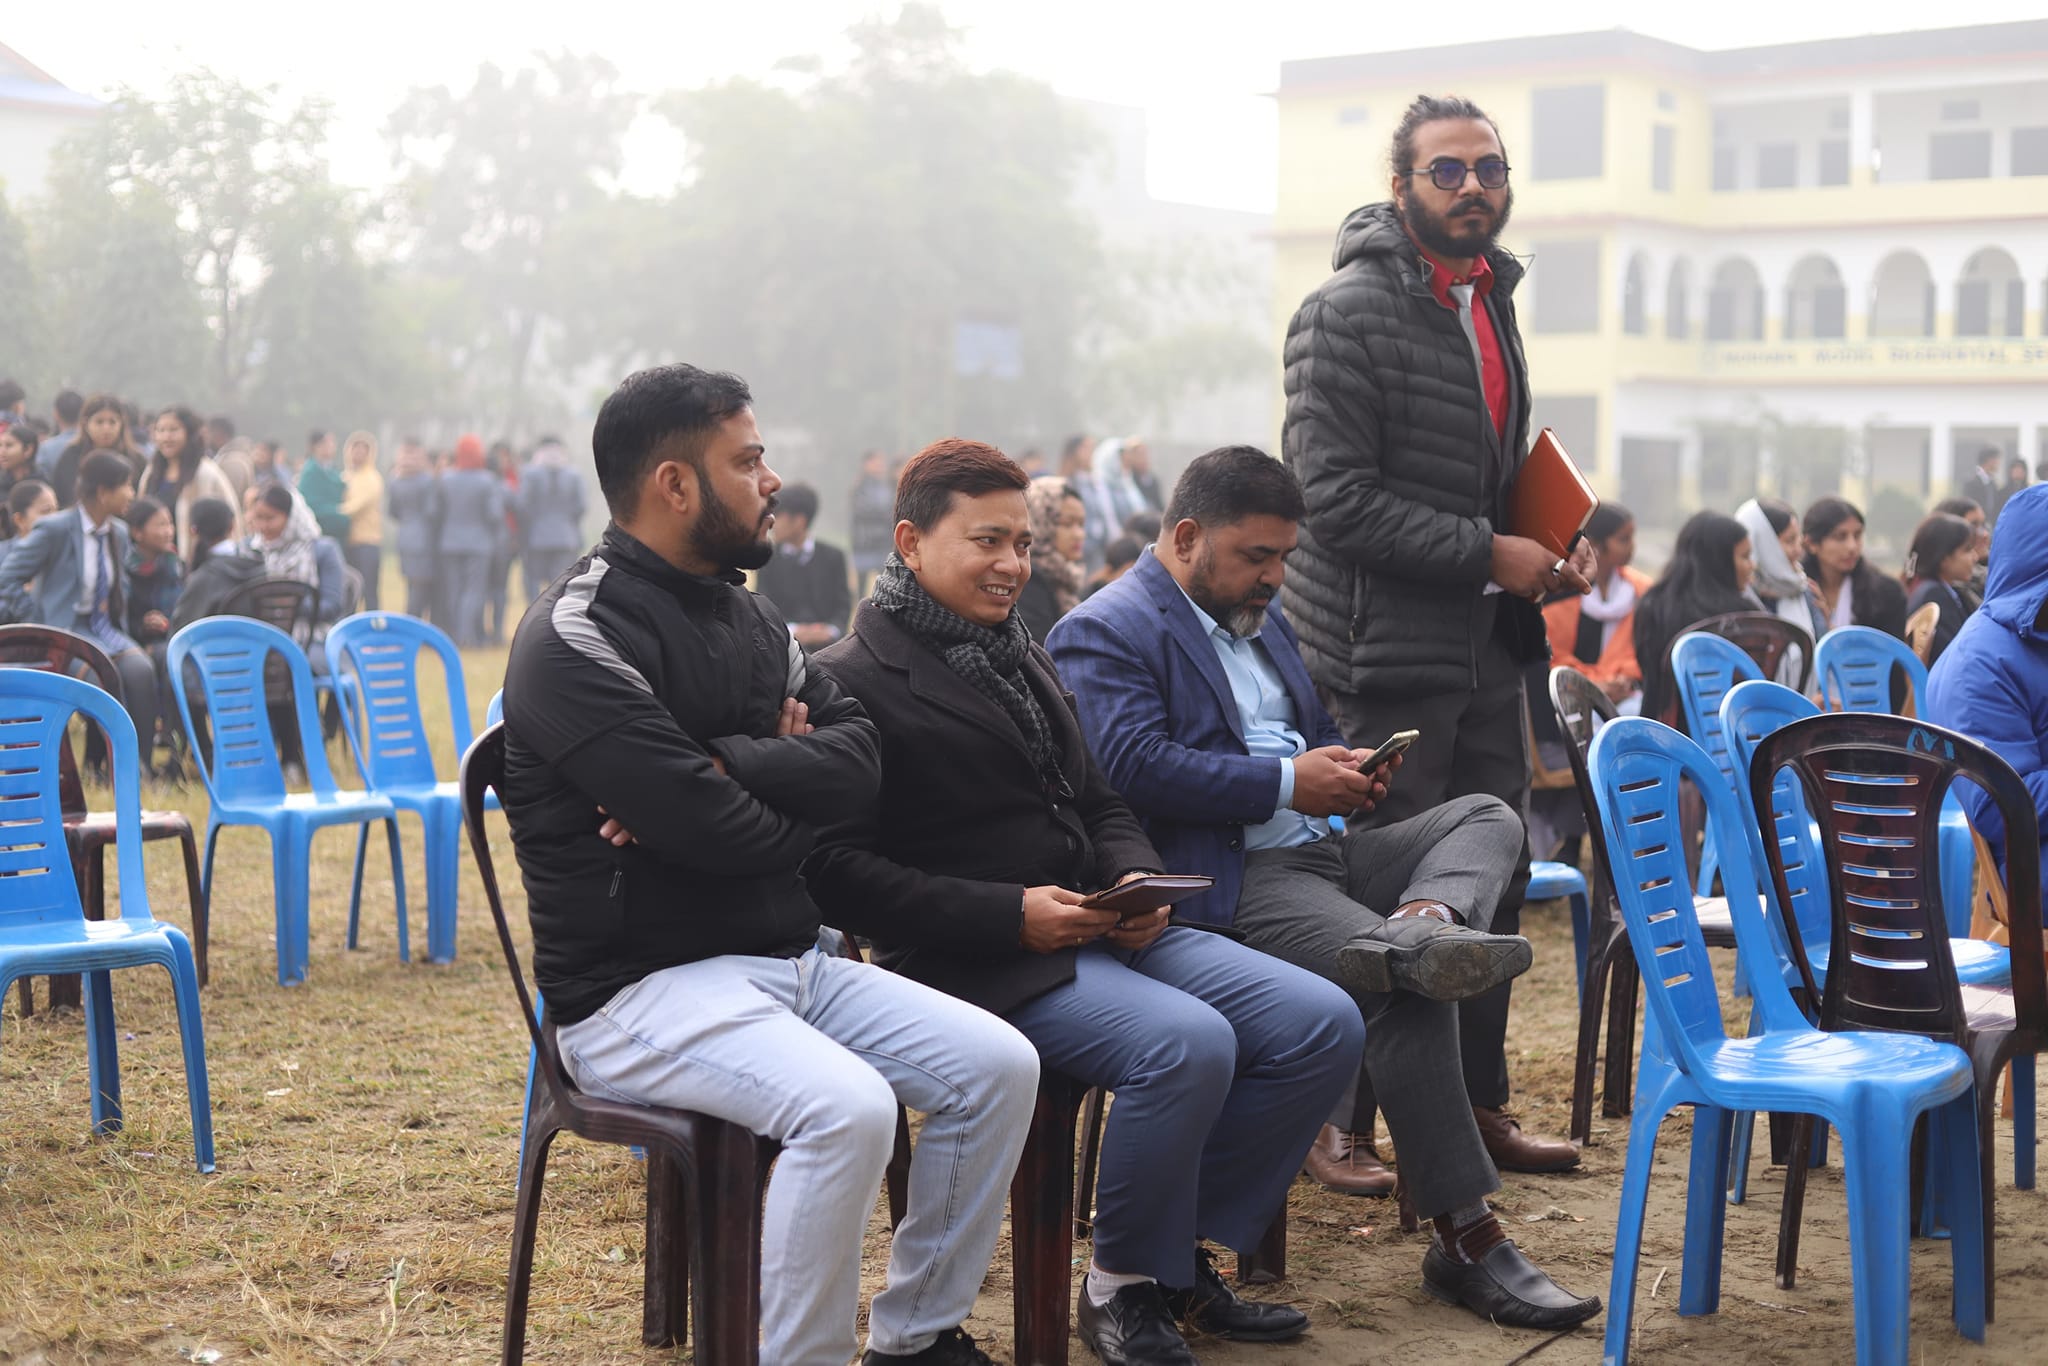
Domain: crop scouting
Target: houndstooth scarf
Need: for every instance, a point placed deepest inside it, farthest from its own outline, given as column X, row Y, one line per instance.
column 989, row 660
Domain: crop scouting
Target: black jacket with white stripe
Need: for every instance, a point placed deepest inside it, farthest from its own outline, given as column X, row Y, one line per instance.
column 627, row 678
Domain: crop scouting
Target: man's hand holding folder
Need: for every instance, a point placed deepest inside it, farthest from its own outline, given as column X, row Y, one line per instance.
column 1543, row 553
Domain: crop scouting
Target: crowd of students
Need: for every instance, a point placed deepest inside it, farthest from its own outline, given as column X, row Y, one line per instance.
column 126, row 526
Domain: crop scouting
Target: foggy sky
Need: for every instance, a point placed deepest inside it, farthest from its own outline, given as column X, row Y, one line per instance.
column 1203, row 80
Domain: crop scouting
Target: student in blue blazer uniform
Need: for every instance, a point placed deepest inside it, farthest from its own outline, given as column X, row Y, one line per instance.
column 71, row 571
column 1195, row 700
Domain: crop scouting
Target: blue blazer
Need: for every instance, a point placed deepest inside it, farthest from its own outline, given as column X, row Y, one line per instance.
column 1161, row 720
column 43, row 577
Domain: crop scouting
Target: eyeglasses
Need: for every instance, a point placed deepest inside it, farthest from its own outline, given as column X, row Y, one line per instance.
column 1448, row 173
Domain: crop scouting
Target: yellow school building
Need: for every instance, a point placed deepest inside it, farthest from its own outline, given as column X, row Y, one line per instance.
column 1804, row 268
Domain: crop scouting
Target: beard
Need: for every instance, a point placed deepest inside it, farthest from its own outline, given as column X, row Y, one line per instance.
column 1242, row 617
column 723, row 538
column 1434, row 231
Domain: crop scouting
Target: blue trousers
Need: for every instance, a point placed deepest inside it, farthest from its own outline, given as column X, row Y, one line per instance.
column 1224, row 1062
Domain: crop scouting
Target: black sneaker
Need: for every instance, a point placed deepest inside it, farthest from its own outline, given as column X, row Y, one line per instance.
column 1211, row 1306
column 953, row 1348
column 1134, row 1329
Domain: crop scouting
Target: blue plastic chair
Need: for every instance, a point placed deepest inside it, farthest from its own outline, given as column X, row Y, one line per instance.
column 1854, row 667
column 495, row 712
column 245, row 781
column 1871, row 1086
column 1547, row 882
column 375, row 657
column 43, row 929
column 1703, row 668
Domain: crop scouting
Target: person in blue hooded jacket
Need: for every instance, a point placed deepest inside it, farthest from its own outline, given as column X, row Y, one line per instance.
column 1991, row 683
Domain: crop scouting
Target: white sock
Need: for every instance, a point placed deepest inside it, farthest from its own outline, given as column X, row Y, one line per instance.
column 1103, row 1285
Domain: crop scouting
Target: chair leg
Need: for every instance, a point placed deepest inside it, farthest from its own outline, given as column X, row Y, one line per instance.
column 1628, row 1230
column 1986, row 1187
column 1586, row 1060
column 192, row 1040
column 195, row 895
column 441, row 826
column 397, row 887
column 26, row 990
column 1793, row 1209
column 1874, row 1156
column 896, row 1176
column 1091, row 1158
column 1972, row 1243
column 533, row 1167
column 665, row 1296
column 1582, row 933
column 355, row 896
column 1041, row 1228
column 292, row 878
column 64, row 985
column 1699, row 1286
column 1623, row 996
column 727, row 1251
column 2023, row 1138
column 1266, row 1264
column 102, row 1054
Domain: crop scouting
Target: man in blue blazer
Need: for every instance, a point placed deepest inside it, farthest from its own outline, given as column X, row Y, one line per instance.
column 71, row 571
column 1195, row 700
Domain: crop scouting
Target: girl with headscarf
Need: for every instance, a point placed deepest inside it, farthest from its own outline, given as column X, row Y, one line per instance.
column 1111, row 496
column 282, row 531
column 1059, row 523
column 1709, row 569
column 1780, row 585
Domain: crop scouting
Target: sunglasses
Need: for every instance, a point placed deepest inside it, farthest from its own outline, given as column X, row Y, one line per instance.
column 1448, row 173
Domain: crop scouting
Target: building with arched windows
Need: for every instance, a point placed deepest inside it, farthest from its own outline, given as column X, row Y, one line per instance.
column 1809, row 267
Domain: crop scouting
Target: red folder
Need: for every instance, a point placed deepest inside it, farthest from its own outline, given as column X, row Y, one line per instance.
column 1551, row 501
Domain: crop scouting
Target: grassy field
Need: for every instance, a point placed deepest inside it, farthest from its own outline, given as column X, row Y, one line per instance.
column 367, row 1129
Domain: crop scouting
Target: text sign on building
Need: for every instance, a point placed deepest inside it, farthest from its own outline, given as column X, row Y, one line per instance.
column 1885, row 359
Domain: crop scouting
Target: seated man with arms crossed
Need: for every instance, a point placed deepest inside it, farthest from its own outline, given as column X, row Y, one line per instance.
column 1195, row 697
column 670, row 755
column 992, row 826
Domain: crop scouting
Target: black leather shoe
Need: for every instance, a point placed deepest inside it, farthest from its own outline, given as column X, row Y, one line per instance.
column 1506, row 1287
column 1134, row 1329
column 1213, row 1307
column 954, row 1348
column 1441, row 962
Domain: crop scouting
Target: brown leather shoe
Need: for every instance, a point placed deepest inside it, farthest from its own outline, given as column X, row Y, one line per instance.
column 1347, row 1163
column 1514, row 1151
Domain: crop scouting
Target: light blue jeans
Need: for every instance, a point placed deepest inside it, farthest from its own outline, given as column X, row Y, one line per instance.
column 816, row 1052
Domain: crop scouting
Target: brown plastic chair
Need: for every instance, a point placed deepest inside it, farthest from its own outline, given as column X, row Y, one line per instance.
column 1610, row 981
column 1920, row 631
column 705, row 1177
column 1765, row 638
column 1876, row 784
column 48, row 649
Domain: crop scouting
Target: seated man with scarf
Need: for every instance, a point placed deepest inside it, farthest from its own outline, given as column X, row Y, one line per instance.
column 993, row 826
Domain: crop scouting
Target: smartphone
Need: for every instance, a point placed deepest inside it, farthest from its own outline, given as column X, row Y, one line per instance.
column 1393, row 745
column 1144, row 894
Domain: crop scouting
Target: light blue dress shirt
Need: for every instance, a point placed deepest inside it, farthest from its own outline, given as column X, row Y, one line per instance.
column 1265, row 713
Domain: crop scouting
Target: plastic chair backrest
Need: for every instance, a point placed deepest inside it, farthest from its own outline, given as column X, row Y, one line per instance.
column 1855, row 665
column 1876, row 783
column 230, row 654
column 1582, row 707
column 1920, row 632
column 1638, row 766
column 483, row 769
column 1704, row 667
column 495, row 712
column 287, row 604
column 50, row 649
column 1768, row 639
column 1749, row 712
column 36, row 884
column 390, row 741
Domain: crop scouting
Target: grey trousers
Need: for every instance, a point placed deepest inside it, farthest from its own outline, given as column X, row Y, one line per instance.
column 1305, row 903
column 1472, row 742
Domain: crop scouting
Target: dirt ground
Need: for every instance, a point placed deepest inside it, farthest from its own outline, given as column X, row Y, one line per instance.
column 367, row 1126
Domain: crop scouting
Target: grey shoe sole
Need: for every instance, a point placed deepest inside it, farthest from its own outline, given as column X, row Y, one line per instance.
column 1449, row 967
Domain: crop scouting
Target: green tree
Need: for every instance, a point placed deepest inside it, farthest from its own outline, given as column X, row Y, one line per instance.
column 887, row 250
column 222, row 155
column 126, row 316
column 26, row 356
column 506, row 196
column 331, row 349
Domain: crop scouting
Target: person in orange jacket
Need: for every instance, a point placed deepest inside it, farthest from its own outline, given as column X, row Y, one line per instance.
column 1596, row 634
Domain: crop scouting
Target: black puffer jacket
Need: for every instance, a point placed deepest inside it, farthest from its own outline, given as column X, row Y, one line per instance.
column 1405, row 477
